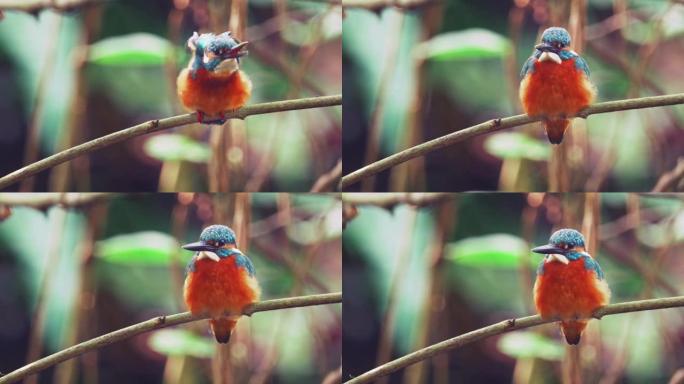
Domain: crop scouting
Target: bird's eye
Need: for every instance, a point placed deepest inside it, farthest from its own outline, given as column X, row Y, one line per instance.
column 219, row 244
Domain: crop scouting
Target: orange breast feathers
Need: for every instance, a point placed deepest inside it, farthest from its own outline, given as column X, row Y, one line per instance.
column 216, row 287
column 213, row 92
column 556, row 90
column 569, row 291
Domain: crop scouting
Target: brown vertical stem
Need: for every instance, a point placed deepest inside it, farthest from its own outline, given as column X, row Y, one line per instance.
column 446, row 221
column 84, row 300
column 33, row 136
column 386, row 336
column 52, row 261
column 412, row 173
column 75, row 127
column 375, row 123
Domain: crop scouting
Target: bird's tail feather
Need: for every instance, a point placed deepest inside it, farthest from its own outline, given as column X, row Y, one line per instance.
column 222, row 328
column 555, row 129
column 572, row 330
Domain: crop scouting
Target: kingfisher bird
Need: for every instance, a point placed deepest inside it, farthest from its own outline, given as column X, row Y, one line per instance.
column 220, row 280
column 570, row 284
column 555, row 83
column 213, row 83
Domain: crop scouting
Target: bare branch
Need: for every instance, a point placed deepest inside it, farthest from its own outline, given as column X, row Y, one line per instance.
column 157, row 323
column 159, row 125
column 496, row 125
column 329, row 180
column 502, row 327
column 670, row 179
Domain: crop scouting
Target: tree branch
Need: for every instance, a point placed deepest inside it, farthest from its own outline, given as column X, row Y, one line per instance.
column 671, row 178
column 157, row 323
column 159, row 125
column 502, row 327
column 496, row 125
column 329, row 180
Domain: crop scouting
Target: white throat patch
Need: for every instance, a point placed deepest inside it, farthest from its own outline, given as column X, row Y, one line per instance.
column 550, row 56
column 208, row 255
column 557, row 257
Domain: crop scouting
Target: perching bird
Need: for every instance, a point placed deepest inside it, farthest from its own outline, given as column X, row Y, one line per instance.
column 555, row 83
column 220, row 280
column 570, row 284
column 213, row 82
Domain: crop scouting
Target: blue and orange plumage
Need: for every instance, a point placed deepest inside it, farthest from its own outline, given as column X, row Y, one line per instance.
column 213, row 82
column 220, row 280
column 570, row 284
column 555, row 83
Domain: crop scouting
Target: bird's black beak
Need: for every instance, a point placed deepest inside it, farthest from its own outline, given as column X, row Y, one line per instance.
column 199, row 246
column 546, row 48
column 238, row 51
column 549, row 249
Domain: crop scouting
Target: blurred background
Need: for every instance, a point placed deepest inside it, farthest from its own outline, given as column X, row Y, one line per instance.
column 435, row 67
column 76, row 266
column 422, row 268
column 72, row 74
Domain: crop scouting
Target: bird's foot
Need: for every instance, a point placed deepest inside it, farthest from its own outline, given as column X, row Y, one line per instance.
column 201, row 118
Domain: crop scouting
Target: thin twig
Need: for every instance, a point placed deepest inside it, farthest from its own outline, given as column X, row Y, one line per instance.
column 497, row 125
column 159, row 125
column 328, row 180
column 502, row 327
column 157, row 323
column 670, row 179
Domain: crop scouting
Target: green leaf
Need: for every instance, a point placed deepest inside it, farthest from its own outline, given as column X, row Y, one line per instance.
column 528, row 344
column 516, row 145
column 175, row 147
column 134, row 49
column 180, row 342
column 474, row 43
column 497, row 250
column 140, row 248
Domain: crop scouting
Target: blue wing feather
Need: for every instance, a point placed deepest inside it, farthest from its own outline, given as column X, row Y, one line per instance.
column 581, row 64
column 528, row 67
column 244, row 262
column 191, row 265
column 592, row 265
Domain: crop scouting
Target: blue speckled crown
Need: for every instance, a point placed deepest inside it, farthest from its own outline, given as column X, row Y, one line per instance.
column 567, row 236
column 219, row 233
column 556, row 35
